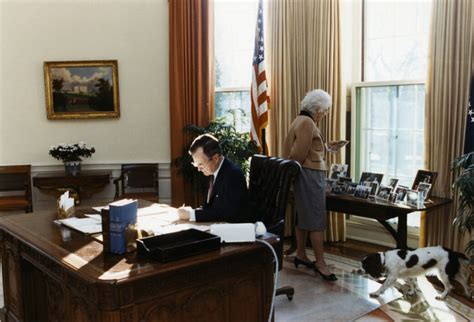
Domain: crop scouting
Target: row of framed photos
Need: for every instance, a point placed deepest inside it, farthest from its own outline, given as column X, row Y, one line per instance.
column 370, row 185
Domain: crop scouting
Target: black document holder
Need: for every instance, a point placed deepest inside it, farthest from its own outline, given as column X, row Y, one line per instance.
column 169, row 247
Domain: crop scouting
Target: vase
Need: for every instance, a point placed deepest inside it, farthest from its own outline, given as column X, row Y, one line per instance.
column 72, row 167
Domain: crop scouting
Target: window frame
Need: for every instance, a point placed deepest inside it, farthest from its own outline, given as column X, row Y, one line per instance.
column 356, row 159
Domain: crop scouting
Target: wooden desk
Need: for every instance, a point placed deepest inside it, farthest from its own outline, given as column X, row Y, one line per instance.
column 381, row 211
column 84, row 184
column 51, row 273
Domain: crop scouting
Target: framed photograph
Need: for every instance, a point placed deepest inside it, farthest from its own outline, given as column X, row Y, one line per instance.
column 345, row 179
column 412, row 198
column 329, row 185
column 424, row 188
column 351, row 188
column 374, row 187
column 81, row 89
column 424, row 176
column 392, row 183
column 401, row 192
column 362, row 191
column 384, row 192
column 372, row 177
column 337, row 171
column 338, row 189
column 393, row 197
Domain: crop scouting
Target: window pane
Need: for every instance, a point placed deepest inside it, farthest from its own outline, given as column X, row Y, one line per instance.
column 234, row 34
column 234, row 109
column 396, row 39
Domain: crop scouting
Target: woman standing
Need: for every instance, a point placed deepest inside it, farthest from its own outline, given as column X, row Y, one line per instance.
column 305, row 144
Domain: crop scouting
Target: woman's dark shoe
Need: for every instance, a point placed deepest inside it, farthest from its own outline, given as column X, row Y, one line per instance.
column 298, row 261
column 330, row 277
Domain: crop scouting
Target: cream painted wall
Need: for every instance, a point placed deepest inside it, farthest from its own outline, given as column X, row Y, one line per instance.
column 134, row 32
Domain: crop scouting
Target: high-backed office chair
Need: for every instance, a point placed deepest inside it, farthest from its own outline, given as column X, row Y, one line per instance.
column 15, row 186
column 270, row 180
column 138, row 181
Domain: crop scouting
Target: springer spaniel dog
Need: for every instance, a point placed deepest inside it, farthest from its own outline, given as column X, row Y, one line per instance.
column 407, row 265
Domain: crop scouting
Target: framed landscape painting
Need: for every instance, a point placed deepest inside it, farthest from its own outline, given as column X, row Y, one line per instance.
column 82, row 89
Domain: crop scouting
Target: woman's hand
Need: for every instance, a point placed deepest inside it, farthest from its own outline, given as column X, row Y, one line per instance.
column 335, row 146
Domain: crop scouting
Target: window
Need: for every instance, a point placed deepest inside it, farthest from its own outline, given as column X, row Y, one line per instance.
column 395, row 39
column 388, row 107
column 389, row 133
column 234, row 34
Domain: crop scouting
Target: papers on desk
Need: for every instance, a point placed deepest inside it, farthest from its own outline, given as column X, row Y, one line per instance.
column 84, row 225
column 158, row 218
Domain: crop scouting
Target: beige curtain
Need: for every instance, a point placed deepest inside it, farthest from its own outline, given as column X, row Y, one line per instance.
column 304, row 54
column 447, row 91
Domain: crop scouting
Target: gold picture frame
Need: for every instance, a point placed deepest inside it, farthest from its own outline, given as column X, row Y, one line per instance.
column 81, row 89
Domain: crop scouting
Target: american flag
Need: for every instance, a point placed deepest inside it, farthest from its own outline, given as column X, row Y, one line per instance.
column 258, row 91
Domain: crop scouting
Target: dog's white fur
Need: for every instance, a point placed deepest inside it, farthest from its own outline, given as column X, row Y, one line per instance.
column 407, row 265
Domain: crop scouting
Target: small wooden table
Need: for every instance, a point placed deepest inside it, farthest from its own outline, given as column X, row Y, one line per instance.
column 84, row 184
column 382, row 211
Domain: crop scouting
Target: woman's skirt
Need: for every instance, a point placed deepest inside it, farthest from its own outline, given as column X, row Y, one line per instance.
column 310, row 199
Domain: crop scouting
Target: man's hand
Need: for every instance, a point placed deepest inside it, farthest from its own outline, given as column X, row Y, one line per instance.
column 184, row 212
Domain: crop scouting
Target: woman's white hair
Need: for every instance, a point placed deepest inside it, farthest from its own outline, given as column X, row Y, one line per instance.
column 316, row 101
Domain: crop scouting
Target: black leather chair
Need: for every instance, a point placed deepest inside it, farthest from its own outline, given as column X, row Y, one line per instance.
column 138, row 181
column 270, row 180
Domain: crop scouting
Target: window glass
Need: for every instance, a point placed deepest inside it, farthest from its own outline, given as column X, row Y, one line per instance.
column 234, row 34
column 396, row 39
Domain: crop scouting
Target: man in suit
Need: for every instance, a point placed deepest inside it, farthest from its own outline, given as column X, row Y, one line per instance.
column 227, row 196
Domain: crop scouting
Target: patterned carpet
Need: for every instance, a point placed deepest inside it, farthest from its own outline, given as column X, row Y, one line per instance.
column 348, row 300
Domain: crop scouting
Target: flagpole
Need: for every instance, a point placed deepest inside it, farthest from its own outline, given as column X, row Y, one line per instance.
column 264, row 142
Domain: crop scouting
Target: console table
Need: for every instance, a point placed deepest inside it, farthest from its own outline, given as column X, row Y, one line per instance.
column 84, row 184
column 51, row 273
column 382, row 211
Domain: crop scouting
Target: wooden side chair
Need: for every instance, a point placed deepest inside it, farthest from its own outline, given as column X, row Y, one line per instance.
column 138, row 181
column 15, row 188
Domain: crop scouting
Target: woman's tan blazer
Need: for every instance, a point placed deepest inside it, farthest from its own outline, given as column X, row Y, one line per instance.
column 305, row 144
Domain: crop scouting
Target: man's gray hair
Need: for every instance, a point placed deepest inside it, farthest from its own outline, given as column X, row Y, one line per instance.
column 316, row 100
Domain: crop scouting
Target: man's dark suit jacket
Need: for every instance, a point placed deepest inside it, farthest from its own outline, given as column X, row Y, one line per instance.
column 229, row 199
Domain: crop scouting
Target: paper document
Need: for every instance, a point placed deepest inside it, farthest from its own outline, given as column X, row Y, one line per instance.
column 83, row 225
column 94, row 216
column 154, row 209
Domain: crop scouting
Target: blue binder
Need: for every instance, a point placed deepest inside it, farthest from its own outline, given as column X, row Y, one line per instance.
column 121, row 214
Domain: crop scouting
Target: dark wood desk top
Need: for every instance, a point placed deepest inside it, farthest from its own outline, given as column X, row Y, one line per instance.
column 397, row 207
column 83, row 254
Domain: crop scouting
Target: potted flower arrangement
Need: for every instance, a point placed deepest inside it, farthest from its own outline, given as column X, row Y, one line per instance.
column 71, row 155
